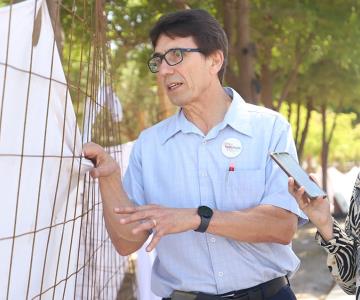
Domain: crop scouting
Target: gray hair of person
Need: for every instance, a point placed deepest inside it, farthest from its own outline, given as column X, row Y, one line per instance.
column 206, row 31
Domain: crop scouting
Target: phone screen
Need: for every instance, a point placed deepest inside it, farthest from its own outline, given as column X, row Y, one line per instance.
column 293, row 169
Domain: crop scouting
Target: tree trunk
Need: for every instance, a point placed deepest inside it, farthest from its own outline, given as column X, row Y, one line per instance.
column 240, row 71
column 289, row 112
column 228, row 9
column 301, row 144
column 245, row 51
column 266, row 81
column 326, row 141
column 297, row 129
column 325, row 148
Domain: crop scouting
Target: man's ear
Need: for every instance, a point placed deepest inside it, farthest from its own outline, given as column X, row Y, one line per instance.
column 216, row 60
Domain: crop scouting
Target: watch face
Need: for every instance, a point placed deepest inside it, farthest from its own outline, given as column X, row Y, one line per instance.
column 205, row 211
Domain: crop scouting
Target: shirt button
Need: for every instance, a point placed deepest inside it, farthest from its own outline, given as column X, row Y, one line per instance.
column 213, row 240
column 221, row 274
column 203, row 174
column 204, row 142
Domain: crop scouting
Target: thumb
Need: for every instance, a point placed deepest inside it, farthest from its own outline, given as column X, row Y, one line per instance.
column 94, row 173
column 105, row 169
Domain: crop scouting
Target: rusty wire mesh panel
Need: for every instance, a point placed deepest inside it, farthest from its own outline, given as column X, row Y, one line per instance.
column 55, row 94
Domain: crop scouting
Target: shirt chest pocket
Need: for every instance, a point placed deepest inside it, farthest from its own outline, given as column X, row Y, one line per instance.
column 243, row 189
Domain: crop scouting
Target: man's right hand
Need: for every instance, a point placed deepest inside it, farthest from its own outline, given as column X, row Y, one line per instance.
column 104, row 164
column 113, row 196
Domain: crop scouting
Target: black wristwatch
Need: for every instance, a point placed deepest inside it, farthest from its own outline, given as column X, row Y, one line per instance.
column 205, row 214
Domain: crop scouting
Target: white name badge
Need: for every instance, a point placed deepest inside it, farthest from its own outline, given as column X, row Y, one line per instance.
column 231, row 147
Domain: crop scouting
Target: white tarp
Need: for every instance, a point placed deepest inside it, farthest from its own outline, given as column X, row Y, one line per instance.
column 341, row 186
column 53, row 240
column 144, row 265
column 43, row 222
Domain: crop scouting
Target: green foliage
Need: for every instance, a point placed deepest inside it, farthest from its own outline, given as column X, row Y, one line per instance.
column 139, row 98
column 318, row 41
column 322, row 42
column 345, row 144
column 346, row 141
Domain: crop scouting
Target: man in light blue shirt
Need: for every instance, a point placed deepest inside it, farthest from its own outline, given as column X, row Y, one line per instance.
column 202, row 180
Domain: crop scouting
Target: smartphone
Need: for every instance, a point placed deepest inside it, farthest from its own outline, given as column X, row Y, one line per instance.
column 291, row 167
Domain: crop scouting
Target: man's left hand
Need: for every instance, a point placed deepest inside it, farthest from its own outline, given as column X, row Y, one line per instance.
column 161, row 220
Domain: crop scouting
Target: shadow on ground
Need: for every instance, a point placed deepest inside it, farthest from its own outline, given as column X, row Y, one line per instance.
column 312, row 281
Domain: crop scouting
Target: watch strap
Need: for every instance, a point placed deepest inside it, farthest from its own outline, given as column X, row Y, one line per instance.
column 205, row 213
column 204, row 224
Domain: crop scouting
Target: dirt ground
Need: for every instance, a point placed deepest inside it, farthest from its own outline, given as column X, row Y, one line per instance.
column 313, row 280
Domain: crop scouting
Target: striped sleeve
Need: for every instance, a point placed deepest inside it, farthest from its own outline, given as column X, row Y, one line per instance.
column 342, row 249
column 341, row 258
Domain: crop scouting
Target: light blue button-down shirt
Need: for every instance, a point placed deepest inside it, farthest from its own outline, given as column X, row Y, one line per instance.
column 174, row 164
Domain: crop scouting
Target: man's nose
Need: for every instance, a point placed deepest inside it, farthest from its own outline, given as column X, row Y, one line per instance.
column 165, row 69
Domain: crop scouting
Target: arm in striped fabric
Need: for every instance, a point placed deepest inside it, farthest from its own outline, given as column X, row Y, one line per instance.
column 343, row 248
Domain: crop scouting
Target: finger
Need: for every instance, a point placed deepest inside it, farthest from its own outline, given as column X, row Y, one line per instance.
column 303, row 200
column 132, row 209
column 313, row 178
column 94, row 173
column 145, row 226
column 105, row 165
column 91, row 150
column 155, row 240
column 146, row 207
column 300, row 192
column 291, row 186
column 104, row 170
column 154, row 222
column 290, row 182
column 136, row 216
column 125, row 209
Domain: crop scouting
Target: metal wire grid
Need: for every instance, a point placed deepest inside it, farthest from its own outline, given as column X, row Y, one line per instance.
column 99, row 270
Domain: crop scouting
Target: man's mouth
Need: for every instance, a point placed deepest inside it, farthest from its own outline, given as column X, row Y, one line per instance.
column 173, row 86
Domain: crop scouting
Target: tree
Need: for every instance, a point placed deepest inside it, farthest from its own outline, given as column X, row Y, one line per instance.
column 240, row 72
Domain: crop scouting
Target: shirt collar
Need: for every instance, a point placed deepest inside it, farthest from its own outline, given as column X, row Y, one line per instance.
column 237, row 117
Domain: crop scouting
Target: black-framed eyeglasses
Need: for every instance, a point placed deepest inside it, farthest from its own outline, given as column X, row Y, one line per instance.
column 172, row 57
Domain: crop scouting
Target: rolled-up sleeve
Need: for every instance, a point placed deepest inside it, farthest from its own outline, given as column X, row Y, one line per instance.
column 133, row 179
column 276, row 181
